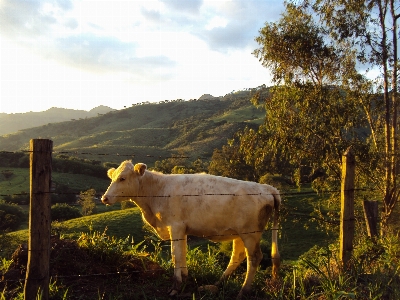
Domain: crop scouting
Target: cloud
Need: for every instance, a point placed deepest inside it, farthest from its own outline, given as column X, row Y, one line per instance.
column 106, row 54
column 47, row 29
column 243, row 20
column 21, row 19
column 144, row 39
column 190, row 6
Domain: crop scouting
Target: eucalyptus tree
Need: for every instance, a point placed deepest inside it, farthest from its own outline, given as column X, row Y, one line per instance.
column 310, row 119
column 321, row 103
column 370, row 28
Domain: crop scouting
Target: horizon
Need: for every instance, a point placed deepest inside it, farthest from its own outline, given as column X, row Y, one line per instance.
column 79, row 55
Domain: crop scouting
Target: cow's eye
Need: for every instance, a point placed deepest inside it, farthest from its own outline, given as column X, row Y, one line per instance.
column 121, row 179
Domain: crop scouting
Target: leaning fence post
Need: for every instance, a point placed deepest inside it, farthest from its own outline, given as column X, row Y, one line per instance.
column 347, row 207
column 37, row 272
column 371, row 217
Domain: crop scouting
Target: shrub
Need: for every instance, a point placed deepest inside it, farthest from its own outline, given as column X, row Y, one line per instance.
column 11, row 216
column 127, row 204
column 103, row 247
column 21, row 199
column 63, row 212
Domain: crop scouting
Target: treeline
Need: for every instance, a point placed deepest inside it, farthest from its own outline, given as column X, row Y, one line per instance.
column 61, row 163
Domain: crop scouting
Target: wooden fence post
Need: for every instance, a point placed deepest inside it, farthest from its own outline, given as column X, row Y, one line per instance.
column 347, row 207
column 371, row 217
column 37, row 273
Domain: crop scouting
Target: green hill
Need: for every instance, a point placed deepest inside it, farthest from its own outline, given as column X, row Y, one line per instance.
column 147, row 132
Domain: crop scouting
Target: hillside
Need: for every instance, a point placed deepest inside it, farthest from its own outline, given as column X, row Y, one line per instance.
column 147, row 132
column 10, row 123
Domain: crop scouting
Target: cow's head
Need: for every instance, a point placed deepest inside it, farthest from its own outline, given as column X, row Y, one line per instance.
column 124, row 182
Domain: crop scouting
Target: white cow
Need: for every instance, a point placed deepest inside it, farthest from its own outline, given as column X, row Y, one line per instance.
column 214, row 207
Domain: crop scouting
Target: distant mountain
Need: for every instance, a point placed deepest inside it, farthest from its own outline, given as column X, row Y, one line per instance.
column 147, row 132
column 10, row 123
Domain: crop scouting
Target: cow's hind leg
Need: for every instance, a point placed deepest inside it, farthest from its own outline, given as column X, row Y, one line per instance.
column 178, row 252
column 254, row 257
column 238, row 255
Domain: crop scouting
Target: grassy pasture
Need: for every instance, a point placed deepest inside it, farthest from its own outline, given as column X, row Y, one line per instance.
column 19, row 182
column 316, row 277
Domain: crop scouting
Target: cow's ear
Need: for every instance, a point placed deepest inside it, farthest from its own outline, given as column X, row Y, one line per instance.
column 110, row 172
column 140, row 168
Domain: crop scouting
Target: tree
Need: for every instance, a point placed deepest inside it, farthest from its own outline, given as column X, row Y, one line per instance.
column 11, row 216
column 310, row 117
column 321, row 104
column 370, row 28
column 87, row 200
column 230, row 162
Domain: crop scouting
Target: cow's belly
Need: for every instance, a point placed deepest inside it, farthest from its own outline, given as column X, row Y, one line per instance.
column 213, row 235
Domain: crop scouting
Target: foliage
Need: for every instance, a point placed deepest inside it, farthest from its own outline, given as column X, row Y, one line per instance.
column 310, row 121
column 373, row 272
column 180, row 165
column 21, row 199
column 14, row 159
column 370, row 29
column 11, row 216
column 322, row 104
column 87, row 201
column 70, row 164
column 318, row 271
column 5, row 243
column 127, row 204
column 103, row 247
column 230, row 162
column 63, row 194
column 63, row 212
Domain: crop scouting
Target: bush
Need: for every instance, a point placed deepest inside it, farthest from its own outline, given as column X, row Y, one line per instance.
column 21, row 199
column 127, row 204
column 102, row 247
column 11, row 216
column 63, row 212
column 63, row 194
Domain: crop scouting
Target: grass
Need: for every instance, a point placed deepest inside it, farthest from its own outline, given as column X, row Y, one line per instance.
column 310, row 269
column 244, row 114
column 17, row 183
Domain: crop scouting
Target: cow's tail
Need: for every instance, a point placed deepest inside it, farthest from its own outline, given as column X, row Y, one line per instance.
column 276, row 259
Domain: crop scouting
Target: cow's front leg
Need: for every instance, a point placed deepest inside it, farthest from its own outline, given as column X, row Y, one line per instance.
column 178, row 252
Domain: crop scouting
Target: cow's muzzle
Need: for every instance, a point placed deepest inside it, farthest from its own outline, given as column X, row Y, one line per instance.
column 105, row 200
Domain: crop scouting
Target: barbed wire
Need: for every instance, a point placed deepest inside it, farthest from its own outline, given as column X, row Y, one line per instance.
column 314, row 193
column 104, row 154
column 75, row 152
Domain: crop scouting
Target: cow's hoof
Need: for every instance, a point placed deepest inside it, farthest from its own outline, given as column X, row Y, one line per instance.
column 208, row 288
column 173, row 293
column 243, row 292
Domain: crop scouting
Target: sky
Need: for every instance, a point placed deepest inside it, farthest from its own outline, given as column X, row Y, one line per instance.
column 82, row 54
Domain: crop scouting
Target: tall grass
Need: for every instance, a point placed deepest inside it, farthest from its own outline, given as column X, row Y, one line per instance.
column 373, row 272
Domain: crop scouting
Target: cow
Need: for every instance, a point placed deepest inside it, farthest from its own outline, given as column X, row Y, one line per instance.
column 214, row 207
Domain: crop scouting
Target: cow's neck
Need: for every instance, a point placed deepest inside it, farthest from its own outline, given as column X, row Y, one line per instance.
column 150, row 185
